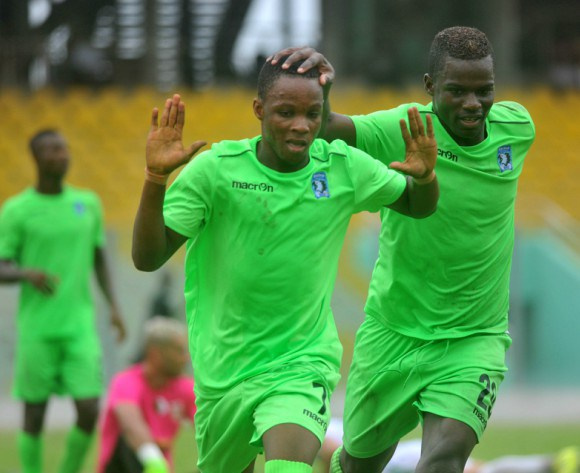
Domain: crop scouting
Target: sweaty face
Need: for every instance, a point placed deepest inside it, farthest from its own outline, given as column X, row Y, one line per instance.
column 291, row 115
column 463, row 92
column 53, row 156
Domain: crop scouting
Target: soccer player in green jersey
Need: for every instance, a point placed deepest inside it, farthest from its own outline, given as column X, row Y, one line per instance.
column 263, row 220
column 432, row 346
column 51, row 240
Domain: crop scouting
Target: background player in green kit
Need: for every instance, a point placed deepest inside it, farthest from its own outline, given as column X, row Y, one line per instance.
column 264, row 221
column 433, row 343
column 51, row 240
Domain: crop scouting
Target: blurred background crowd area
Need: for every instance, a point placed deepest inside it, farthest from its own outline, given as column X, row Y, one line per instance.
column 95, row 68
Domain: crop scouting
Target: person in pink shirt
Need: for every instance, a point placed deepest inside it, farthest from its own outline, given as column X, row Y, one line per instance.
column 146, row 404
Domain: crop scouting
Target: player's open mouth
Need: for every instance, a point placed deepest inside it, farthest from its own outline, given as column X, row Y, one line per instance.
column 470, row 122
column 297, row 145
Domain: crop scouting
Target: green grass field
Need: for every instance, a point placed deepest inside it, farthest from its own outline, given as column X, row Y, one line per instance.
column 498, row 441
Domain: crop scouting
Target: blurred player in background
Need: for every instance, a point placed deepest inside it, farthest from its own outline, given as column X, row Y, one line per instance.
column 51, row 240
column 146, row 404
column 433, row 343
column 264, row 220
column 161, row 305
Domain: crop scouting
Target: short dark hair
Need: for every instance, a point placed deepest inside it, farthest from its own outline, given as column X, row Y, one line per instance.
column 459, row 42
column 34, row 142
column 270, row 73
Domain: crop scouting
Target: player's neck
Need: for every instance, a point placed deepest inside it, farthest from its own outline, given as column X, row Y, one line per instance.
column 268, row 157
column 49, row 186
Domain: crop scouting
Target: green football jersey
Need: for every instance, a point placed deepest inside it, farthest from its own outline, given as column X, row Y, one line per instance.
column 56, row 234
column 262, row 254
column 448, row 275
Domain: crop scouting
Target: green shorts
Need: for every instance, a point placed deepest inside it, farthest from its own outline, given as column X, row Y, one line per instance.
column 229, row 429
column 394, row 379
column 70, row 366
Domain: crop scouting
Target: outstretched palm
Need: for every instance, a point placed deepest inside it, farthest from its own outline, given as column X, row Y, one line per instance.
column 420, row 147
column 165, row 151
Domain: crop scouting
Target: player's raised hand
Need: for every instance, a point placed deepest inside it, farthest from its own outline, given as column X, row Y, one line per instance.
column 165, row 151
column 420, row 147
column 309, row 58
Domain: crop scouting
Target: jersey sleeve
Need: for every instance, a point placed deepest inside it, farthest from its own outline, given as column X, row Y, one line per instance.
column 375, row 185
column 124, row 389
column 187, row 202
column 379, row 134
column 10, row 234
column 513, row 111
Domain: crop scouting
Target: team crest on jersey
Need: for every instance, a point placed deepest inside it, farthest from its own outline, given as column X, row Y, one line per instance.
column 79, row 208
column 504, row 158
column 320, row 185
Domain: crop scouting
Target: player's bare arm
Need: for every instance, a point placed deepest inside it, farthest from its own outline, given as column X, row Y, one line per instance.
column 133, row 426
column 153, row 242
column 335, row 126
column 138, row 435
column 43, row 282
column 104, row 280
column 422, row 192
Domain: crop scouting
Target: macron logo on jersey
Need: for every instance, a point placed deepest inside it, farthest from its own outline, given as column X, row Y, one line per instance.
column 251, row 186
column 316, row 418
column 447, row 154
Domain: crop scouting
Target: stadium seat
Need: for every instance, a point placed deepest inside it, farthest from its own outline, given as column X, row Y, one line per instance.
column 107, row 129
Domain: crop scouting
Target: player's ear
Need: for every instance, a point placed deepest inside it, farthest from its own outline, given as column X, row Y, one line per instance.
column 258, row 109
column 428, row 83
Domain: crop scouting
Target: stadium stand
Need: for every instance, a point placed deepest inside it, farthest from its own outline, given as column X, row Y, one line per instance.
column 107, row 132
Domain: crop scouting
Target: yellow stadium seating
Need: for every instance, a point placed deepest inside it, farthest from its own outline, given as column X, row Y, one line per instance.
column 107, row 130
